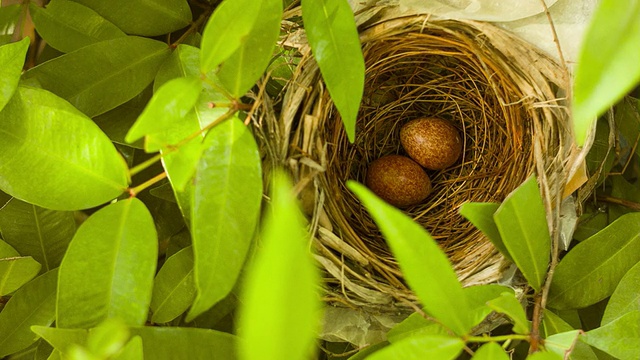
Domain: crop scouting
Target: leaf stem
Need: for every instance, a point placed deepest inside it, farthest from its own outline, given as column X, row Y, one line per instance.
column 133, row 192
column 482, row 339
column 193, row 27
column 144, row 165
column 617, row 201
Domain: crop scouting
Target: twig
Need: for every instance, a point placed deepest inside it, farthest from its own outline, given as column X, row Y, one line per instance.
column 133, row 192
column 614, row 200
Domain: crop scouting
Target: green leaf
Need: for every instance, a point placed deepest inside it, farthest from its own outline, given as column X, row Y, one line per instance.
column 412, row 325
column 6, row 250
column 225, row 209
column 553, row 324
column 42, row 164
column 620, row 338
column 522, row 223
column 490, row 351
column 180, row 165
column 421, row 347
column 141, row 17
column 425, row 266
column 169, row 343
column 509, row 305
column 133, row 350
column 245, row 66
column 97, row 78
column 33, row 304
column 173, row 288
column 607, row 66
column 478, row 297
column 562, row 343
column 591, row 271
column 332, row 34
column 226, row 31
column 280, row 295
column 37, row 232
column 15, row 272
column 12, row 59
column 626, row 297
column 62, row 339
column 109, row 267
column 9, row 17
column 544, row 355
column 481, row 216
column 108, row 338
column 168, row 106
column 67, row 26
column 117, row 122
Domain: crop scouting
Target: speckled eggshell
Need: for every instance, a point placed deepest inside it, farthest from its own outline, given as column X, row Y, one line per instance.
column 398, row 180
column 432, row 142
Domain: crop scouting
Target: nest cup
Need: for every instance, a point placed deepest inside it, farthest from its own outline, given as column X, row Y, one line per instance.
column 498, row 91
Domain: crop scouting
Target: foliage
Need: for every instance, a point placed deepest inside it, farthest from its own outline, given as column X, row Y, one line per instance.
column 134, row 221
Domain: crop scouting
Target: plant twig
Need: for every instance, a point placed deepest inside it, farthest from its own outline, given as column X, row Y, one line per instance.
column 623, row 202
column 145, row 164
column 194, row 25
column 133, row 192
column 482, row 339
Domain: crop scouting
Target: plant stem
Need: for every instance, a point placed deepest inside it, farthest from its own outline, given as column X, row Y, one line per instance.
column 482, row 339
column 138, row 189
column 145, row 164
column 614, row 200
column 193, row 27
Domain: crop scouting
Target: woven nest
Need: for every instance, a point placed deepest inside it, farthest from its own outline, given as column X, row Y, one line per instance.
column 500, row 92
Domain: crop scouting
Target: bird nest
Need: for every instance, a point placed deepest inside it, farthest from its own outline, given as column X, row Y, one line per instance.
column 499, row 92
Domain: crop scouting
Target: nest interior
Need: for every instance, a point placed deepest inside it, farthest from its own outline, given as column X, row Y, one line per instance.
column 498, row 91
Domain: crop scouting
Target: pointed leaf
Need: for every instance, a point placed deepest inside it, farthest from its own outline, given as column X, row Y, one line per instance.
column 522, row 223
column 421, row 347
column 509, row 305
column 553, row 324
column 225, row 209
column 424, row 265
column 133, row 350
column 109, row 267
column 169, row 343
column 6, row 250
column 333, row 37
column 15, row 272
column 67, row 26
column 414, row 325
column 479, row 296
column 280, row 294
column 96, row 78
column 180, row 165
column 173, row 288
column 562, row 343
column 12, row 59
column 227, row 29
column 626, row 297
column 62, row 339
column 141, row 17
column 620, row 338
column 490, row 351
column 108, row 338
column 591, row 271
column 53, row 156
column 33, row 304
column 607, row 68
column 245, row 66
column 37, row 232
column 481, row 216
column 167, row 108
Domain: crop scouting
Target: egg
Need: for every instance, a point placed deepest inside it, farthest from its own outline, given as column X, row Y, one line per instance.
column 432, row 142
column 398, row 180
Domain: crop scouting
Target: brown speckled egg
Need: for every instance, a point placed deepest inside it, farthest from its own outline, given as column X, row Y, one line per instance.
column 398, row 180
column 432, row 142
